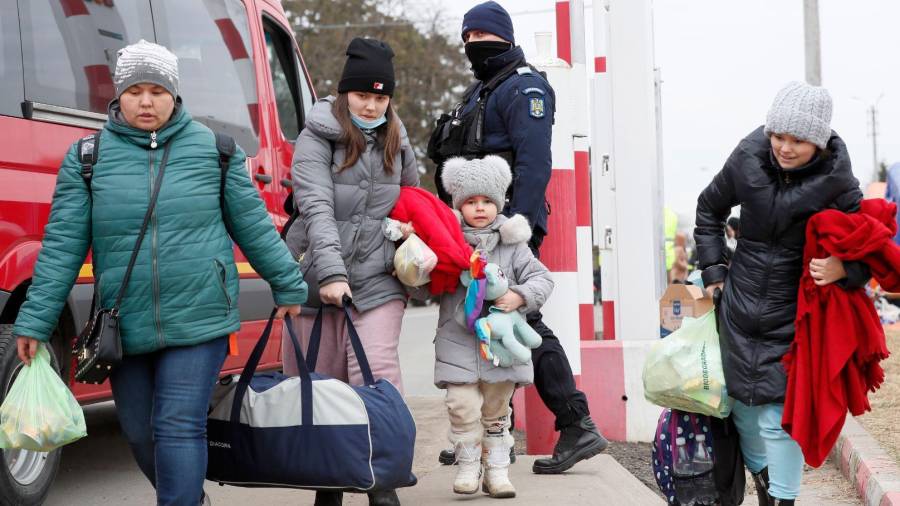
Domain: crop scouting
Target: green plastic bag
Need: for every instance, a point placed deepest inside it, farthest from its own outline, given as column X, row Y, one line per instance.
column 684, row 370
column 39, row 412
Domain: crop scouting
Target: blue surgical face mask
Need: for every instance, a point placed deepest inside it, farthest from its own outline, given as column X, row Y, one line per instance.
column 368, row 125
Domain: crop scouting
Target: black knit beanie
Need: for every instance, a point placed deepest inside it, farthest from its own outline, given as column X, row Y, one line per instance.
column 368, row 67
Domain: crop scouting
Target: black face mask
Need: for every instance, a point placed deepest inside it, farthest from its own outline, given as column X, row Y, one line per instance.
column 479, row 52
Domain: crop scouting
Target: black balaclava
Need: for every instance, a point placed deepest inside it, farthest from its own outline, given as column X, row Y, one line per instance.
column 479, row 52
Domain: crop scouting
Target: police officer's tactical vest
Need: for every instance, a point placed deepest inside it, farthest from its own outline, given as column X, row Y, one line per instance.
column 458, row 134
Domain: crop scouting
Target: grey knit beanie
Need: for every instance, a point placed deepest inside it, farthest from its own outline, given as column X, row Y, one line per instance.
column 803, row 111
column 488, row 176
column 146, row 62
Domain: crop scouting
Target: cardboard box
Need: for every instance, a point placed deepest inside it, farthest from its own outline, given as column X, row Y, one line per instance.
column 678, row 302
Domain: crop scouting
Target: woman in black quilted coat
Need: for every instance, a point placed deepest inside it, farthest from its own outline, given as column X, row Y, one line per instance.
column 780, row 174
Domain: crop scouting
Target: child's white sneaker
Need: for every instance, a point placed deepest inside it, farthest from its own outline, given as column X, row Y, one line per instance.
column 469, row 470
column 496, row 473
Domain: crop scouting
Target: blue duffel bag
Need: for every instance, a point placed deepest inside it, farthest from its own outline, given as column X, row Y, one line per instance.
column 309, row 431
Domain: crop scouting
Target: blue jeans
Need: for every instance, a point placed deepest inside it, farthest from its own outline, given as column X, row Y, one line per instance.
column 162, row 400
column 765, row 444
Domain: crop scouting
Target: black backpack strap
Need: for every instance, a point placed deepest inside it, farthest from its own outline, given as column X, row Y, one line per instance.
column 226, row 147
column 477, row 133
column 88, row 152
column 498, row 79
column 291, row 209
column 467, row 95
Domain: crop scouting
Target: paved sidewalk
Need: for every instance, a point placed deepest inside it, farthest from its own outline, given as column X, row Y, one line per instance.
column 600, row 480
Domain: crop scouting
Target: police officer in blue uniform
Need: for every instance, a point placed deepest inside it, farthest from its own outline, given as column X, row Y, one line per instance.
column 509, row 111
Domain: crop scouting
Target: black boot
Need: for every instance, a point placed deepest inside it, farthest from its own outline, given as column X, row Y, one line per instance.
column 761, row 480
column 329, row 498
column 579, row 441
column 448, row 457
column 384, row 498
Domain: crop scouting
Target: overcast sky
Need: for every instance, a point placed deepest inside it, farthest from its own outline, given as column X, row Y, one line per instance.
column 723, row 61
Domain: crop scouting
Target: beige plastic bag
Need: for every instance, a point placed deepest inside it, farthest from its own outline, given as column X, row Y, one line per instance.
column 684, row 370
column 414, row 262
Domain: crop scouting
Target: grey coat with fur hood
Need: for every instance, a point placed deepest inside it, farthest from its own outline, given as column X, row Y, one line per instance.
column 456, row 348
column 337, row 236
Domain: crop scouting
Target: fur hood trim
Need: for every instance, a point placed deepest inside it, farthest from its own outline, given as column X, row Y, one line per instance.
column 515, row 230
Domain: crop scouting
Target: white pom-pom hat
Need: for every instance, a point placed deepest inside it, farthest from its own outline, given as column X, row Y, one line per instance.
column 489, row 176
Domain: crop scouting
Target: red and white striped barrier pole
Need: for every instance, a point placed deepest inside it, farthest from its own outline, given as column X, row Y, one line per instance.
column 560, row 252
column 629, row 237
column 581, row 149
column 602, row 176
column 604, row 361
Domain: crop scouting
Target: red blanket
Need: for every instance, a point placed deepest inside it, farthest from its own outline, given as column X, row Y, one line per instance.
column 839, row 341
column 436, row 224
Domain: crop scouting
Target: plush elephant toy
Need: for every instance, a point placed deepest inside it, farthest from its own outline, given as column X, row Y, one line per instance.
column 509, row 336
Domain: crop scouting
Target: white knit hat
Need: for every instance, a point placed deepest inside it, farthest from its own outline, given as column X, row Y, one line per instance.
column 488, row 176
column 803, row 111
column 146, row 62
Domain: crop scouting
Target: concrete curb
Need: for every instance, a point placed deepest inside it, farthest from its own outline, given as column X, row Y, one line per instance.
column 869, row 468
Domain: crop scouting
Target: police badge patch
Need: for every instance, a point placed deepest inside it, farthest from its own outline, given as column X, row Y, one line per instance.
column 536, row 107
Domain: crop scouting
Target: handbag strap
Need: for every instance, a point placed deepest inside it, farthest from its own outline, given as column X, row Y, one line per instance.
column 140, row 238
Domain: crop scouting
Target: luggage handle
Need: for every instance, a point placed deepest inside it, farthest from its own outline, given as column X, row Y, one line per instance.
column 315, row 338
column 306, row 401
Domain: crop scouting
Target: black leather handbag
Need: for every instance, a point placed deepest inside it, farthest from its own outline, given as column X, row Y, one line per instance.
column 98, row 349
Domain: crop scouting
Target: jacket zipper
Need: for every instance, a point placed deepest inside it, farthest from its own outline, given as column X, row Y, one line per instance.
column 157, row 318
column 764, row 286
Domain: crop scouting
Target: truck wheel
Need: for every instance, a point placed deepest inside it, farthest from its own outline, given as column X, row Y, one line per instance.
column 25, row 476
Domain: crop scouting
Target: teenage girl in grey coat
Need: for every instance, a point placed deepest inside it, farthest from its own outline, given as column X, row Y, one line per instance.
column 349, row 164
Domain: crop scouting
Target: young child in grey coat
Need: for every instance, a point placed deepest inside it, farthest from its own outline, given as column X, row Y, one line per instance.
column 478, row 392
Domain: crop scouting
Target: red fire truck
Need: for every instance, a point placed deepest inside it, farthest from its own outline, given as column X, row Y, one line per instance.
column 241, row 73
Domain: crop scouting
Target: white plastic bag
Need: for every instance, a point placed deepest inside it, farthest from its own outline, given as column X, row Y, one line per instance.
column 39, row 412
column 414, row 262
column 684, row 370
column 888, row 312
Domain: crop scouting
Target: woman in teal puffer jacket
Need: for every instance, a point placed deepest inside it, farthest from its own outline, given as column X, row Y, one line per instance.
column 181, row 301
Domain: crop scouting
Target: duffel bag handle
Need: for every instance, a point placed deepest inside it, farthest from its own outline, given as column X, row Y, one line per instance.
column 315, row 337
column 368, row 378
column 253, row 363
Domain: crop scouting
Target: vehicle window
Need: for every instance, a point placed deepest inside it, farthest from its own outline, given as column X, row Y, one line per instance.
column 215, row 64
column 10, row 60
column 69, row 48
column 284, row 64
